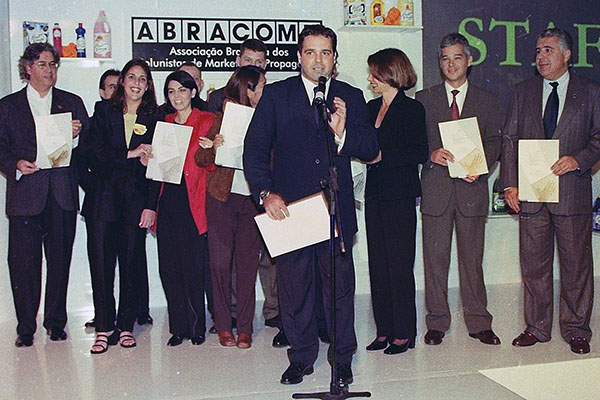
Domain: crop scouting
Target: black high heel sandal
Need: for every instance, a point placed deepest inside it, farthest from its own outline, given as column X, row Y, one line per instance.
column 103, row 341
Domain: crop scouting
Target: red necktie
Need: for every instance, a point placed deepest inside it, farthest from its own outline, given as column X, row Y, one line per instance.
column 454, row 107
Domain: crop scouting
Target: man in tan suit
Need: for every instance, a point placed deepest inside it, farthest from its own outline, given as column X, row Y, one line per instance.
column 448, row 203
column 560, row 105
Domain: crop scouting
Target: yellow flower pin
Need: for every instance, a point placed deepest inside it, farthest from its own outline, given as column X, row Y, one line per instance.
column 139, row 129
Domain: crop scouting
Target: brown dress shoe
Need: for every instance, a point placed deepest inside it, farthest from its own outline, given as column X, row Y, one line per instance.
column 226, row 339
column 486, row 337
column 579, row 345
column 244, row 340
column 434, row 337
column 525, row 339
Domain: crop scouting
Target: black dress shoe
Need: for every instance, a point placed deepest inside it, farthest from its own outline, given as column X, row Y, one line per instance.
column 280, row 340
column 486, row 337
column 91, row 323
column 324, row 336
column 525, row 339
column 344, row 374
column 579, row 345
column 175, row 340
column 400, row 348
column 274, row 322
column 294, row 373
column 24, row 340
column 57, row 334
column 144, row 319
column 213, row 330
column 434, row 337
column 377, row 345
column 197, row 340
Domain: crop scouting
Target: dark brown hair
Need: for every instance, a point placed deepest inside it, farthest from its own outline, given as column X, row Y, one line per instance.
column 246, row 77
column 393, row 67
column 148, row 105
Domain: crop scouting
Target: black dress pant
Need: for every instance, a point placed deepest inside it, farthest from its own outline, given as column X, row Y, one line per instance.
column 391, row 229
column 296, row 282
column 54, row 228
column 182, row 258
column 108, row 242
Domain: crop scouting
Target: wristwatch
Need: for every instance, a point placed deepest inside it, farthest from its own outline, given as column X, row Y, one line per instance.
column 262, row 196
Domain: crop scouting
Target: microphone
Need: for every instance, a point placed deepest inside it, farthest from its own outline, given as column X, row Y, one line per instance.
column 320, row 90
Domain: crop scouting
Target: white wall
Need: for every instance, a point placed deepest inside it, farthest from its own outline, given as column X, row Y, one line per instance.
column 501, row 258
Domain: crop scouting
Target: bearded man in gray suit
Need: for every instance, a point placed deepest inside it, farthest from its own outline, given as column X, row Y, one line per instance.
column 561, row 105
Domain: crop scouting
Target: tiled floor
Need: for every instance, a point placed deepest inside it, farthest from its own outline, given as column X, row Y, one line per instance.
column 67, row 370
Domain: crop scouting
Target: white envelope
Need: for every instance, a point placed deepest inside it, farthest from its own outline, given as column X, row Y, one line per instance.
column 169, row 148
column 462, row 138
column 236, row 120
column 537, row 183
column 54, row 137
column 307, row 224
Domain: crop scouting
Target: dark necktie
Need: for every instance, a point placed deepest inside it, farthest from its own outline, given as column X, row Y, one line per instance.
column 551, row 112
column 454, row 107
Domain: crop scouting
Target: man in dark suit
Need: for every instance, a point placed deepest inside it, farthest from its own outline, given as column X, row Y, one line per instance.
column 454, row 203
column 560, row 105
column 284, row 123
column 41, row 204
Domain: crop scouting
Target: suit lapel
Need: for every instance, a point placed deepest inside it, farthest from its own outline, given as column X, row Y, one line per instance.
column 534, row 106
column 27, row 121
column 570, row 108
column 300, row 102
column 118, row 127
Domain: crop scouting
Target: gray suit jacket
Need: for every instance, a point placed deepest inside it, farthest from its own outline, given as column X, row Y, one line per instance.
column 437, row 186
column 27, row 196
column 578, row 131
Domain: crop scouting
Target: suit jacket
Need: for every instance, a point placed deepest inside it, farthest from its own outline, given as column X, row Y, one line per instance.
column 472, row 198
column 215, row 100
column 578, row 132
column 121, row 189
column 28, row 195
column 218, row 183
column 285, row 121
column 403, row 143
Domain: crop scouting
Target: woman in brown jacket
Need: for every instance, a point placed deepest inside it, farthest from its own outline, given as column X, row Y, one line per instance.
column 230, row 210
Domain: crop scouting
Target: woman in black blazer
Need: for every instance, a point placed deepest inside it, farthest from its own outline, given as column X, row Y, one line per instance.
column 122, row 204
column 390, row 210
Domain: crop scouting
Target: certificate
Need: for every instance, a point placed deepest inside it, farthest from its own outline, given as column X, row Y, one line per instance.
column 236, row 120
column 463, row 140
column 307, row 224
column 169, row 148
column 54, row 137
column 537, row 183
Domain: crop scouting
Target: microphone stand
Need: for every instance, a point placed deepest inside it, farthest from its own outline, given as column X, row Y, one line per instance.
column 330, row 185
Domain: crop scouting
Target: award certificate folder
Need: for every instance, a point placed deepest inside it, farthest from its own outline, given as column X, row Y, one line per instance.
column 537, row 183
column 462, row 138
column 307, row 224
column 54, row 137
column 236, row 120
column 169, row 148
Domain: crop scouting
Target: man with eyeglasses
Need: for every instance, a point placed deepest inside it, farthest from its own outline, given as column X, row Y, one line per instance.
column 41, row 204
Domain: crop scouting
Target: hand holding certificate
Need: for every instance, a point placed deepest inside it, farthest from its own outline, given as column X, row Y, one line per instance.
column 54, row 135
column 462, row 138
column 307, row 224
column 169, row 148
column 236, row 120
column 537, row 183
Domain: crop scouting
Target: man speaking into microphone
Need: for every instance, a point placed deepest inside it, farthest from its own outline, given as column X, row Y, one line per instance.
column 286, row 122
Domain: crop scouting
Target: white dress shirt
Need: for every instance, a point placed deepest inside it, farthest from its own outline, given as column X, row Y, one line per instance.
column 460, row 97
